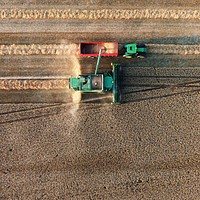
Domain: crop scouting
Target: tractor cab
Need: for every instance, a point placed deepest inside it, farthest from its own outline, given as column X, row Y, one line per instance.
column 135, row 50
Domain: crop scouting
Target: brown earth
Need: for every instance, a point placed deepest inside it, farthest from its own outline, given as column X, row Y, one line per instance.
column 146, row 148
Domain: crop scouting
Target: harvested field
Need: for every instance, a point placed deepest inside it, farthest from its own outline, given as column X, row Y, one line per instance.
column 60, row 144
column 37, row 49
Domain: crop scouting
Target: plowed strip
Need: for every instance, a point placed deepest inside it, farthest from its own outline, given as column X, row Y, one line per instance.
column 174, row 49
column 33, row 84
column 38, row 49
column 99, row 14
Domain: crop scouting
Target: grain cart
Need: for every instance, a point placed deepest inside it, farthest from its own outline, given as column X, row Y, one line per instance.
column 91, row 49
column 99, row 82
column 135, row 50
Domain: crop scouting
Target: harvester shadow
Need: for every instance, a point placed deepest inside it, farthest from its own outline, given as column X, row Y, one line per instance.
column 161, row 96
column 149, row 92
column 42, row 111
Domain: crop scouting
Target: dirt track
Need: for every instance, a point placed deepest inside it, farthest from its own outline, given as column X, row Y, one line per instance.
column 146, row 148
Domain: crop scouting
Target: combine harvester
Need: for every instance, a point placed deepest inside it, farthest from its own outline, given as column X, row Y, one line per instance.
column 102, row 83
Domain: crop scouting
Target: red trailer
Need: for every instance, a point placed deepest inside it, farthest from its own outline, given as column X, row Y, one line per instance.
column 91, row 49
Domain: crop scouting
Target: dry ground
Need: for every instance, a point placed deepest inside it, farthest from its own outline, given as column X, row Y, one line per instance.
column 146, row 148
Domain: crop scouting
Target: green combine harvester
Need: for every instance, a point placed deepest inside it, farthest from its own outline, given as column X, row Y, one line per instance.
column 101, row 83
column 135, row 50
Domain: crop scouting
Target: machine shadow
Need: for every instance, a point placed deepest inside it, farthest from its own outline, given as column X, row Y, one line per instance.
column 143, row 85
column 195, row 39
column 156, row 76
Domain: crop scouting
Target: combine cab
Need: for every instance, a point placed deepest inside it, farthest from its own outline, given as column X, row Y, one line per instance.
column 99, row 82
column 135, row 50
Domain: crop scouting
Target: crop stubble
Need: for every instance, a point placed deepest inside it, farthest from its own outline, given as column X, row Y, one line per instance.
column 33, row 84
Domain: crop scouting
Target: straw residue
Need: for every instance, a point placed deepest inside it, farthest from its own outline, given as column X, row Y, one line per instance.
column 174, row 49
column 38, row 49
column 33, row 84
column 99, row 14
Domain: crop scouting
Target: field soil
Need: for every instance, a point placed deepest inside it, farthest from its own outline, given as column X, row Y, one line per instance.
column 53, row 148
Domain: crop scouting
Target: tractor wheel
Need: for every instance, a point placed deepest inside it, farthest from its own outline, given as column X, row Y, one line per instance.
column 125, row 56
column 141, row 45
column 141, row 55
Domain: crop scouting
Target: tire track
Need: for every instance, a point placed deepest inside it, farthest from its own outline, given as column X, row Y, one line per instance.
column 55, row 49
column 36, row 14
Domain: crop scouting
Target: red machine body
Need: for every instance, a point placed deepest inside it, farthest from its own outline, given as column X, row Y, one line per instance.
column 91, row 49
